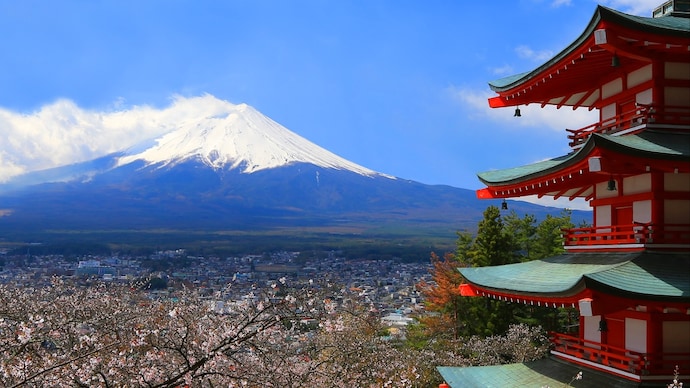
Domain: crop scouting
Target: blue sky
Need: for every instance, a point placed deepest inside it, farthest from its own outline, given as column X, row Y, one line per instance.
column 398, row 86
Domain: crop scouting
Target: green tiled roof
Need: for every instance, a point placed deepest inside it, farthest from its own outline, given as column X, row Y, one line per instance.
column 667, row 25
column 555, row 275
column 546, row 372
column 502, row 82
column 651, row 144
column 508, row 175
column 498, row 376
column 647, row 275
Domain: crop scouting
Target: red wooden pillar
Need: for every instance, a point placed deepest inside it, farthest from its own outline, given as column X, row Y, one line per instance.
column 657, row 215
column 655, row 329
column 581, row 328
column 659, row 80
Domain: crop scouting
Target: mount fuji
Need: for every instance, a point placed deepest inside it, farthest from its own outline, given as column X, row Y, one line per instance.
column 234, row 170
column 243, row 139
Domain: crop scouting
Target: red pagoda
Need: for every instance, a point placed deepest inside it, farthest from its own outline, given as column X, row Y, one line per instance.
column 628, row 274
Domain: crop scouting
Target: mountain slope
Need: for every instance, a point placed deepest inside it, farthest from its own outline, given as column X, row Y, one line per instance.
column 242, row 138
column 237, row 170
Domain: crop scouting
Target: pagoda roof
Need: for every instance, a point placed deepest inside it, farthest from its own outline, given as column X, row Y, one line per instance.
column 544, row 372
column 569, row 77
column 639, row 275
column 663, row 150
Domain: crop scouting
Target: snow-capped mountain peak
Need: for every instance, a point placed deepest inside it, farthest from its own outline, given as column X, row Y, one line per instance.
column 238, row 137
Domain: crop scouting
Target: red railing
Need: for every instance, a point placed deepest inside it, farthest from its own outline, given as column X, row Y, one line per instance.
column 642, row 114
column 611, row 356
column 628, row 234
column 669, row 114
column 640, row 364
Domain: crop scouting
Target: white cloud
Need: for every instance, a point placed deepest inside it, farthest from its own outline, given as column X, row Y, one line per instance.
column 560, row 3
column 503, row 70
column 533, row 116
column 62, row 133
column 536, row 118
column 563, row 203
column 526, row 52
column 633, row 7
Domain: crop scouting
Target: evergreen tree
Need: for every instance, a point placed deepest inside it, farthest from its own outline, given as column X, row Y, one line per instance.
column 523, row 231
column 492, row 245
column 499, row 240
column 548, row 237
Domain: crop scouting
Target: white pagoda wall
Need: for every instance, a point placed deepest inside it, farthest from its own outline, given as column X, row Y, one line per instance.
column 642, row 210
column 677, row 211
column 677, row 70
column 636, row 335
column 639, row 76
column 644, row 97
column 677, row 182
column 675, row 95
column 676, row 336
column 672, row 95
column 591, row 329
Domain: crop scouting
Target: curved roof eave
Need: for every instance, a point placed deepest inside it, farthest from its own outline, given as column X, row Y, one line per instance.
column 534, row 170
column 559, row 275
column 647, row 275
column 649, row 144
column 668, row 25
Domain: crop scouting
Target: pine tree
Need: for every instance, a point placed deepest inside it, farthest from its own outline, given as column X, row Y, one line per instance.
column 499, row 240
column 493, row 245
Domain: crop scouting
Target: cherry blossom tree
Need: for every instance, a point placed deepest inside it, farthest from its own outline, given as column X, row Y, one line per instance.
column 117, row 335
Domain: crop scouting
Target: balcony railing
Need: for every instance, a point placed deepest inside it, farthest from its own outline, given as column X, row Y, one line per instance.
column 674, row 234
column 637, row 118
column 628, row 361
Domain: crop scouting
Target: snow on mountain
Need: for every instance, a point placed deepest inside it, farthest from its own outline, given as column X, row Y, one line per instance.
column 241, row 137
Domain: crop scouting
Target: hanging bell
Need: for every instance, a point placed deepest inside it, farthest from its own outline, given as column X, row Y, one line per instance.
column 611, row 185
